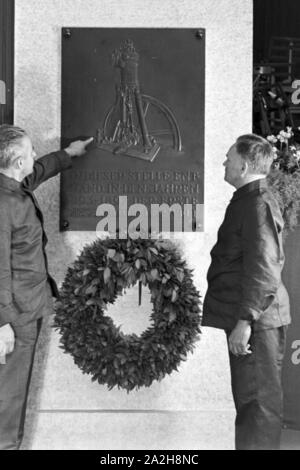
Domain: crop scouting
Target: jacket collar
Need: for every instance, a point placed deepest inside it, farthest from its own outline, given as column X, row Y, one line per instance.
column 9, row 183
column 256, row 185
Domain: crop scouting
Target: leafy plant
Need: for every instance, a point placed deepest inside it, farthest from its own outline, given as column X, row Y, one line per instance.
column 284, row 178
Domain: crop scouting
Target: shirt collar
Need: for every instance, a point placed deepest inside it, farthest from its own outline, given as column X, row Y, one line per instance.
column 9, row 183
column 249, row 187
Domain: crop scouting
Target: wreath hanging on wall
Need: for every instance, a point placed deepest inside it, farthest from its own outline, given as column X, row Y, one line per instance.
column 100, row 274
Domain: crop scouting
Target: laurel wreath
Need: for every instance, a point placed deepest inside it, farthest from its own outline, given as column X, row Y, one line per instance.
column 99, row 275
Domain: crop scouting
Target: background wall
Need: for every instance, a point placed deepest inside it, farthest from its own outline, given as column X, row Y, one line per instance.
column 6, row 59
column 273, row 18
column 192, row 408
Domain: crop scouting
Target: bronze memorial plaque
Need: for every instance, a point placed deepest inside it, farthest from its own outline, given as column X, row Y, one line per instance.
column 140, row 93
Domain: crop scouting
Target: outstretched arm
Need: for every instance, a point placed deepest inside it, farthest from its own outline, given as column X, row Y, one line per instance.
column 50, row 165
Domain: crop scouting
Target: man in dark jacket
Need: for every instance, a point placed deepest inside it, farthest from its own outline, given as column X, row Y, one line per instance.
column 26, row 288
column 246, row 297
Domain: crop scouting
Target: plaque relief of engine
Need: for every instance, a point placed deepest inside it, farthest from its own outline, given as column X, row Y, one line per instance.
column 141, row 93
column 126, row 130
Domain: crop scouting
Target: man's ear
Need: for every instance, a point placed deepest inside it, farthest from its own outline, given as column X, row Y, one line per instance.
column 245, row 168
column 18, row 163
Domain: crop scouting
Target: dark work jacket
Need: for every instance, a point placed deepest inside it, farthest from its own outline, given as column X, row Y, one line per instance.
column 244, row 278
column 24, row 277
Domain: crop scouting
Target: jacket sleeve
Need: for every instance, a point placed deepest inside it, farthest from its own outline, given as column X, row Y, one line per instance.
column 8, row 312
column 46, row 167
column 262, row 261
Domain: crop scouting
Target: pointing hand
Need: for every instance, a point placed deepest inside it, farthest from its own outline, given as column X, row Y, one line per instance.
column 78, row 147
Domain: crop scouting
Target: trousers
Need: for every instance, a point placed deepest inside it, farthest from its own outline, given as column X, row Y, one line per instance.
column 15, row 378
column 257, row 391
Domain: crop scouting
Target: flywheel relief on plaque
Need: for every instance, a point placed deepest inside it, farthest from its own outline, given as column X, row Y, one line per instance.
column 126, row 128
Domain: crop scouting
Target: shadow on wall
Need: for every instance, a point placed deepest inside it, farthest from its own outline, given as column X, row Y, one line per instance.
column 42, row 91
column 37, row 384
column 60, row 256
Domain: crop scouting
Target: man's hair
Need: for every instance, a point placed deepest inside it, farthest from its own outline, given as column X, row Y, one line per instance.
column 10, row 140
column 256, row 151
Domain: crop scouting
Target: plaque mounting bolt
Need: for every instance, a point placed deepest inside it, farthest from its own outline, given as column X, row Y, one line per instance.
column 199, row 34
column 67, row 33
column 65, row 224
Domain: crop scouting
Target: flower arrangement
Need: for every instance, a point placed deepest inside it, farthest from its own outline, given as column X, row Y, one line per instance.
column 286, row 151
column 284, row 178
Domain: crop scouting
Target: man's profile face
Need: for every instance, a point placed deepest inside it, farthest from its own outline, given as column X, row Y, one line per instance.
column 28, row 155
column 233, row 167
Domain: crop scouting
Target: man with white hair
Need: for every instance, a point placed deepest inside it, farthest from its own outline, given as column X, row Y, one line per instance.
column 26, row 287
column 246, row 297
